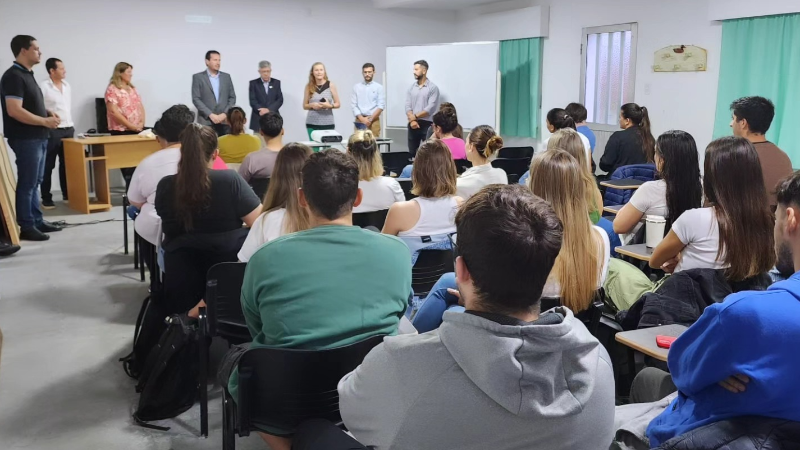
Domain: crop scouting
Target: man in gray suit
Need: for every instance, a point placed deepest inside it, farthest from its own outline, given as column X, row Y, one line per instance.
column 213, row 95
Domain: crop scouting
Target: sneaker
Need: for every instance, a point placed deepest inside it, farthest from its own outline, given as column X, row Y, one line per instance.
column 32, row 234
column 7, row 249
column 47, row 227
column 48, row 204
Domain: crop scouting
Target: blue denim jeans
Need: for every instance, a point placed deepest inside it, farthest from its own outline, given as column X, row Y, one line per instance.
column 31, row 156
column 429, row 316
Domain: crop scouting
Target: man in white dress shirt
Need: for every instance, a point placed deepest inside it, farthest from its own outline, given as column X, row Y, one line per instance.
column 368, row 102
column 57, row 98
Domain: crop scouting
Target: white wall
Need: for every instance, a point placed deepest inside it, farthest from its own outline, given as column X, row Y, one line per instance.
column 90, row 36
column 734, row 9
column 502, row 21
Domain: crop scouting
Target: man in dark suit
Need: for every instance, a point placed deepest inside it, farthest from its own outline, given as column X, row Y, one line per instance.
column 265, row 94
column 213, row 94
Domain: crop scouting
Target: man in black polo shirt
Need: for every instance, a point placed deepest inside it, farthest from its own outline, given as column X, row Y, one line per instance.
column 27, row 125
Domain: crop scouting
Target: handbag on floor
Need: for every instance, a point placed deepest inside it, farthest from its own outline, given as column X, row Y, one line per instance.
column 168, row 383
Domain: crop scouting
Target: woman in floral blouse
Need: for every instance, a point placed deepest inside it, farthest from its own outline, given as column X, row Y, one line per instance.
column 125, row 111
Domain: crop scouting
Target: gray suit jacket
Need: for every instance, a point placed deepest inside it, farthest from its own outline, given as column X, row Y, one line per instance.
column 203, row 96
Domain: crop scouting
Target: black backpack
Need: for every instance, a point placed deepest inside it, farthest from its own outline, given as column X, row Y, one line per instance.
column 150, row 326
column 168, row 382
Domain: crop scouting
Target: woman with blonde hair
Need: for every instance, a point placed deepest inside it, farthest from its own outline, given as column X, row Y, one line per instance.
column 320, row 99
column 235, row 146
column 582, row 264
column 124, row 109
column 378, row 192
column 433, row 211
column 282, row 211
column 570, row 141
column 482, row 143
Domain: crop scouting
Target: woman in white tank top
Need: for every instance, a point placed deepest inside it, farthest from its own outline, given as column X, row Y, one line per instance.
column 433, row 212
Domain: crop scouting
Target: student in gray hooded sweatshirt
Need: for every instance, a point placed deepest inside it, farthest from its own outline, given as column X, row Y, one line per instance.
column 500, row 375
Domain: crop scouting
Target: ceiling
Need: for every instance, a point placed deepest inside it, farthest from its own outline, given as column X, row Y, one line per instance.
column 443, row 5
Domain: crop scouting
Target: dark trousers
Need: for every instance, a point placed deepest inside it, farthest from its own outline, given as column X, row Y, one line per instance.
column 55, row 149
column 651, row 385
column 320, row 434
column 127, row 172
column 221, row 128
column 30, row 158
column 417, row 137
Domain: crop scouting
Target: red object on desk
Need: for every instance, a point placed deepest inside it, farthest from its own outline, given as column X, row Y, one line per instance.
column 665, row 341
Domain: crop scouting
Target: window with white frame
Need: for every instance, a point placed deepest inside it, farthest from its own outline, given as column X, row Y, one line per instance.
column 608, row 72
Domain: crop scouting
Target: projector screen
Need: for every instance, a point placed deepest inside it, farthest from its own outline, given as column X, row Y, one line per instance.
column 466, row 74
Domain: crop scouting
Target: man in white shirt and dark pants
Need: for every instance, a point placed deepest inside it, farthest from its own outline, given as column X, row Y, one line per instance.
column 368, row 102
column 57, row 98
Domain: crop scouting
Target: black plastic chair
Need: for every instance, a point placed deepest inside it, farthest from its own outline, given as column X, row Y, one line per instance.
column 406, row 185
column 462, row 165
column 514, row 167
column 395, row 161
column 222, row 317
column 515, row 152
column 260, row 186
column 281, row 387
column 370, row 219
column 430, row 266
column 590, row 317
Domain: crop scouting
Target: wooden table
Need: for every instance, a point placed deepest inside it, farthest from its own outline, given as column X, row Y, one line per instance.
column 103, row 153
column 613, row 209
column 624, row 184
column 637, row 251
column 644, row 340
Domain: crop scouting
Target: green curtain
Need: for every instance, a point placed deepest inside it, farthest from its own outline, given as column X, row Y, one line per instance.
column 520, row 88
column 761, row 56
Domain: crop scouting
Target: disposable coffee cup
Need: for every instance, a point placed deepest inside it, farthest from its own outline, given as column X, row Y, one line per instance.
column 654, row 230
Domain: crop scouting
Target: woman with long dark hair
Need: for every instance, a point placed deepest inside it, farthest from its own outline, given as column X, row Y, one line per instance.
column 678, row 188
column 734, row 230
column 634, row 144
column 282, row 211
column 202, row 212
column 235, row 146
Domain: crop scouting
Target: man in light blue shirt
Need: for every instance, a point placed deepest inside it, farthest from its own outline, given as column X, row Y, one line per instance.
column 213, row 94
column 422, row 101
column 368, row 102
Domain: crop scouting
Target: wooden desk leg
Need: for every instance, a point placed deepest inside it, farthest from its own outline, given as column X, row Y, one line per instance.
column 101, row 185
column 77, row 184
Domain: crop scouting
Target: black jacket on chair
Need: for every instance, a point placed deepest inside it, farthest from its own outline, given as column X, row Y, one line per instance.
column 260, row 99
column 683, row 297
column 741, row 433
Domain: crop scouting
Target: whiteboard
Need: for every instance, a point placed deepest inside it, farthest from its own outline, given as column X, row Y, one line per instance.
column 466, row 74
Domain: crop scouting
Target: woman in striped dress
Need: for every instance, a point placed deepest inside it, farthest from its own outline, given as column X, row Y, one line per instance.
column 320, row 99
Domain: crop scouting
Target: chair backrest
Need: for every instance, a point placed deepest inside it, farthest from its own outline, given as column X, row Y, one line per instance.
column 430, row 266
column 462, row 165
column 406, row 185
column 590, row 317
column 224, row 308
column 514, row 167
column 374, row 218
column 260, row 186
column 395, row 161
column 515, row 152
column 281, row 387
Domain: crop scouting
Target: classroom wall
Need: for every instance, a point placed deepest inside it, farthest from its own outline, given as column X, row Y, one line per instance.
column 90, row 36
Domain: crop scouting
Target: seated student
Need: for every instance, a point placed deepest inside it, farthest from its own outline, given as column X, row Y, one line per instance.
column 482, row 143
column 740, row 358
column 444, row 124
column 752, row 117
column 378, row 192
column 201, row 212
column 282, row 211
column 733, row 231
column 329, row 286
column 634, row 144
column 142, row 190
column 501, row 375
column 458, row 132
column 238, row 144
column 558, row 119
column 579, row 114
column 678, row 188
column 427, row 219
column 569, row 140
column 582, row 265
column 261, row 163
